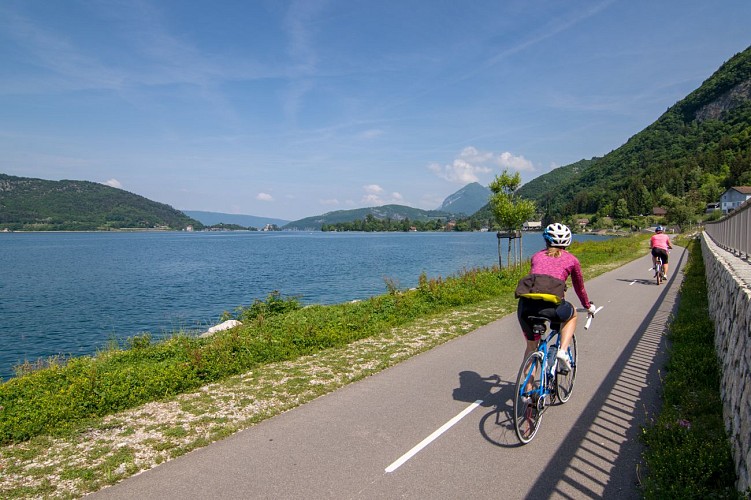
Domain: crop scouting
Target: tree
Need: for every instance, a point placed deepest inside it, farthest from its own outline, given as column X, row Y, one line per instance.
column 621, row 209
column 509, row 209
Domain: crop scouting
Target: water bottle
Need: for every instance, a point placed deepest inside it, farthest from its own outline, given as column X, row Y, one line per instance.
column 552, row 360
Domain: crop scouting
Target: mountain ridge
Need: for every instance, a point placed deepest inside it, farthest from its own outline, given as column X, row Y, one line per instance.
column 685, row 159
column 30, row 204
column 467, row 200
column 471, row 197
column 208, row 218
column 394, row 212
column 37, row 204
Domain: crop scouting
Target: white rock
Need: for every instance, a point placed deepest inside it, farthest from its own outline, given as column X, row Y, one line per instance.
column 230, row 323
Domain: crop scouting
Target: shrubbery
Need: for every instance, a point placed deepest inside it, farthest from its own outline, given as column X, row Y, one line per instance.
column 688, row 454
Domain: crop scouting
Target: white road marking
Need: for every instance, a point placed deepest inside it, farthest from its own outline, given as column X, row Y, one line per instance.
column 425, row 442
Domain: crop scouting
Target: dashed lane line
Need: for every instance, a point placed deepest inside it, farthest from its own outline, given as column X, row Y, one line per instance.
column 425, row 442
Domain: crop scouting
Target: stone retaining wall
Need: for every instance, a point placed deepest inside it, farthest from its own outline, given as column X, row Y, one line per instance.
column 729, row 290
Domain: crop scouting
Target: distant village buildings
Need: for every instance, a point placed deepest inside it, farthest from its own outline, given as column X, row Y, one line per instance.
column 734, row 198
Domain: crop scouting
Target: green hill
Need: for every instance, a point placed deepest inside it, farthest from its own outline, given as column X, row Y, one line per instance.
column 396, row 213
column 688, row 157
column 40, row 205
column 214, row 218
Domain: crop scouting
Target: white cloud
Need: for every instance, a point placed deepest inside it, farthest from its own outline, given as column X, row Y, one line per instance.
column 372, row 199
column 264, row 197
column 330, row 201
column 459, row 172
column 520, row 163
column 473, row 163
column 113, row 183
column 373, row 196
column 473, row 155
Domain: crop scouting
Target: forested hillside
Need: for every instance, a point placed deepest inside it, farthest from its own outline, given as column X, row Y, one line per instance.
column 695, row 151
column 369, row 219
column 41, row 205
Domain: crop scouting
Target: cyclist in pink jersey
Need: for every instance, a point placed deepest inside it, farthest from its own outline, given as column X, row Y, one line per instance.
column 660, row 243
column 559, row 264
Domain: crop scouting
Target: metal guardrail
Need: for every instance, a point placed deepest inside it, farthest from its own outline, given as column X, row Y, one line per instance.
column 733, row 231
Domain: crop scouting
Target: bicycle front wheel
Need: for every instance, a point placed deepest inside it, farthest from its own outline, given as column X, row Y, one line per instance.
column 564, row 381
column 528, row 398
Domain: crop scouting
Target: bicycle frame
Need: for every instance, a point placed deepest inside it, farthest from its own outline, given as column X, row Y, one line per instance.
column 546, row 389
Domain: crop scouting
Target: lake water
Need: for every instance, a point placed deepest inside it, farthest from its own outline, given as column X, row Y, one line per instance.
column 71, row 293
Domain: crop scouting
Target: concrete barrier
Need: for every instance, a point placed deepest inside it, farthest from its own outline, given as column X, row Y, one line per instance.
column 729, row 293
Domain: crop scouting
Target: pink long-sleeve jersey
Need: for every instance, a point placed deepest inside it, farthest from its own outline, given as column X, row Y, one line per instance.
column 660, row 240
column 562, row 267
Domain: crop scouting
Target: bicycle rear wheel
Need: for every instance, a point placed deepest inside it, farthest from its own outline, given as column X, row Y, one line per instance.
column 528, row 398
column 658, row 268
column 564, row 382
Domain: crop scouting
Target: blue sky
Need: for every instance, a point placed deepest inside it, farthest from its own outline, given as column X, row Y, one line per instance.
column 289, row 109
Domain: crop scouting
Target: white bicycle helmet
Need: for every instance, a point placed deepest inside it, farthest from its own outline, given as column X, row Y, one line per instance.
column 557, row 235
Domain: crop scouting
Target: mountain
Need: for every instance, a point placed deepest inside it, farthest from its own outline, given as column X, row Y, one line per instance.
column 28, row 204
column 467, row 200
column 393, row 212
column 213, row 218
column 690, row 155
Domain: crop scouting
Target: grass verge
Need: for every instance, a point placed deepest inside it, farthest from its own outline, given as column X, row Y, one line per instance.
column 688, row 453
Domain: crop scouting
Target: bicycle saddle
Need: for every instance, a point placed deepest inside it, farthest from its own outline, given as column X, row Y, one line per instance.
column 539, row 324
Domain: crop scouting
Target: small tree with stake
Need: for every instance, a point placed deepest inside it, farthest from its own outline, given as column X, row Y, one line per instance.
column 510, row 211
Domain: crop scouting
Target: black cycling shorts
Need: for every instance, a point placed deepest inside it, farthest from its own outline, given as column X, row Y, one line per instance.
column 557, row 314
column 661, row 252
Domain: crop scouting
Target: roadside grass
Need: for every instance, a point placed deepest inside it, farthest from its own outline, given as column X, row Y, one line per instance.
column 687, row 451
column 57, row 399
column 75, row 427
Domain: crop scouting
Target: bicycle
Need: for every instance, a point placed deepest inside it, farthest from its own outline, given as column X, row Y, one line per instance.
column 659, row 276
column 539, row 382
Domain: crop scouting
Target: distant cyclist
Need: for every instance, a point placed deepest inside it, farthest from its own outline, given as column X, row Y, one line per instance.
column 543, row 294
column 660, row 243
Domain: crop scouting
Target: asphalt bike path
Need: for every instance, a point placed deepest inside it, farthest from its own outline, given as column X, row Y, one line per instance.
column 439, row 425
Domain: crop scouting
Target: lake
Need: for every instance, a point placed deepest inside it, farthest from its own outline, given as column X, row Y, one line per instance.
column 71, row 293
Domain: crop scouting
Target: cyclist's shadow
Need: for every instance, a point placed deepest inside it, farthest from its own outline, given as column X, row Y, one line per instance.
column 641, row 281
column 497, row 425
